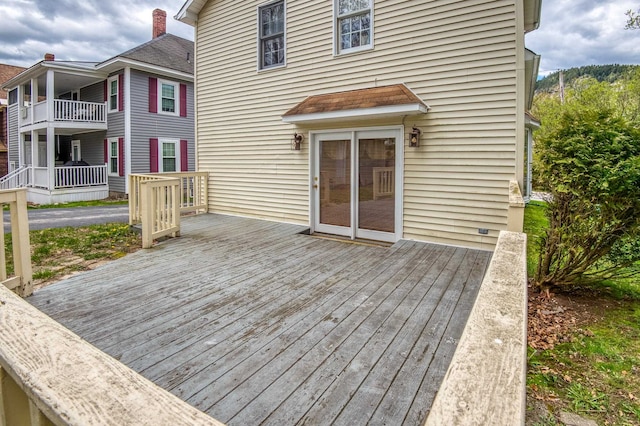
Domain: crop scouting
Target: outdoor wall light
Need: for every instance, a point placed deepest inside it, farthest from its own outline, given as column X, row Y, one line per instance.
column 414, row 137
column 297, row 141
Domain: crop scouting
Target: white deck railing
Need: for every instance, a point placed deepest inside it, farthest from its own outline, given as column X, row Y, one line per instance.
column 157, row 200
column 383, row 181
column 18, row 178
column 21, row 281
column 65, row 177
column 79, row 111
column 67, row 111
column 76, row 176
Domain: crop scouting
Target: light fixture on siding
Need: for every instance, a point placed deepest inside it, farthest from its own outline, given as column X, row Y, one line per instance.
column 297, row 141
column 414, row 137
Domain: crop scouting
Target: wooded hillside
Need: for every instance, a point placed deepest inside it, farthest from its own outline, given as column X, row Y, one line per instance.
column 609, row 73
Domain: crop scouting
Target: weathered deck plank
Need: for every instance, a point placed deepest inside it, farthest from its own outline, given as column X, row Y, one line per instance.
column 254, row 323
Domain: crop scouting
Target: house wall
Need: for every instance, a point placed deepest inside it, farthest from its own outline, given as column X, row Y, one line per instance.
column 115, row 122
column 146, row 125
column 460, row 57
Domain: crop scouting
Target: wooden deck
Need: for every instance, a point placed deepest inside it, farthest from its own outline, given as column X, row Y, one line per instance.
column 253, row 322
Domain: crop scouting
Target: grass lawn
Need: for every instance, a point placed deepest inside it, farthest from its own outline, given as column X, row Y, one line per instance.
column 58, row 252
column 593, row 368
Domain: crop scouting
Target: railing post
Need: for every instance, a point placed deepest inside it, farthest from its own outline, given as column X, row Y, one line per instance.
column 21, row 244
column 147, row 214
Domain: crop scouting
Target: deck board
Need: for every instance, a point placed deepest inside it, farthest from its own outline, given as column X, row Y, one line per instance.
column 253, row 322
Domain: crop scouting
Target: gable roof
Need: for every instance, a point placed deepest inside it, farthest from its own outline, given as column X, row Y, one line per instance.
column 167, row 51
column 189, row 11
column 7, row 72
column 396, row 99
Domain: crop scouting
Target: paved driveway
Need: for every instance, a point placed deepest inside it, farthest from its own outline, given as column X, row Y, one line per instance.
column 73, row 216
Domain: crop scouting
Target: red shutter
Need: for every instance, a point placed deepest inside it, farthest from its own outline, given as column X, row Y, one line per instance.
column 183, row 100
column 106, row 91
column 153, row 94
column 184, row 156
column 106, row 151
column 153, row 155
column 120, row 156
column 120, row 92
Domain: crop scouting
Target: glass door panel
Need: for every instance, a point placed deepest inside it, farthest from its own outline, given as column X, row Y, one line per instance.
column 335, row 182
column 376, row 184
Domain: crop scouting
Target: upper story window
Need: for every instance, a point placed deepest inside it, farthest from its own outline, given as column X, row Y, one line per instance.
column 271, row 29
column 354, row 25
column 113, row 93
column 13, row 96
column 168, row 99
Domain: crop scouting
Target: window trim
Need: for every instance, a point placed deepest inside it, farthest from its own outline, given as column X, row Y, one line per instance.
column 176, row 142
column 176, row 97
column 336, row 31
column 109, row 94
column 259, row 8
column 112, row 160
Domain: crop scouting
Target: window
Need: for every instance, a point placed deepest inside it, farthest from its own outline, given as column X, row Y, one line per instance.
column 354, row 25
column 13, row 96
column 168, row 155
column 113, row 156
column 271, row 27
column 168, row 102
column 113, row 93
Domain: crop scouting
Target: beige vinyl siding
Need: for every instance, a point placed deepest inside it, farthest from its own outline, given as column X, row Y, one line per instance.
column 458, row 56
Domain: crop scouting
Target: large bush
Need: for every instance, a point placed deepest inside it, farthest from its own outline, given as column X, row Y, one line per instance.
column 589, row 160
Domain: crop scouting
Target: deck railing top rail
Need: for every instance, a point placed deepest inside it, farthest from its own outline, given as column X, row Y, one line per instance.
column 49, row 375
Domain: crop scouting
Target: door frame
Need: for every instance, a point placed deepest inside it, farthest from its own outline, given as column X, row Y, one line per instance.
column 314, row 137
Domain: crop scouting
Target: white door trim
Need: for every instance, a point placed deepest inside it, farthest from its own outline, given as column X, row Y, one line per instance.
column 354, row 133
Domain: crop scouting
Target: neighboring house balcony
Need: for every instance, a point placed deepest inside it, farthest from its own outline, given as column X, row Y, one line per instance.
column 64, row 114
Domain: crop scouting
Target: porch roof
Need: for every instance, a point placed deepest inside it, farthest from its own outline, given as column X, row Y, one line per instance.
column 396, row 99
column 253, row 321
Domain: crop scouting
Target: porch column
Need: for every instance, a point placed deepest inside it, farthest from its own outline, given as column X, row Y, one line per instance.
column 21, row 157
column 34, row 155
column 51, row 154
column 34, row 98
column 50, row 97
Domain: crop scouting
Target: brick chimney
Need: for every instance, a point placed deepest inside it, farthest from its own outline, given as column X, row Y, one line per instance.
column 159, row 22
column 49, row 57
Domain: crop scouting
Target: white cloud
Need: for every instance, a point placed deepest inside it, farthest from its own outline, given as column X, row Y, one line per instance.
column 82, row 30
column 585, row 32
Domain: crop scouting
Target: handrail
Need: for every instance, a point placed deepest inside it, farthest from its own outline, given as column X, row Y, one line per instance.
column 22, row 280
column 49, row 375
column 18, row 178
column 486, row 380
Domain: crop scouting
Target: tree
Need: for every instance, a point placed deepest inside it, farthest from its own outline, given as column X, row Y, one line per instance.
column 633, row 20
column 589, row 158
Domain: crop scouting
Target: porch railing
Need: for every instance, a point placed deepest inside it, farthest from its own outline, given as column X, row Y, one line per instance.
column 65, row 110
column 21, row 279
column 79, row 111
column 18, row 178
column 157, row 208
column 75, row 176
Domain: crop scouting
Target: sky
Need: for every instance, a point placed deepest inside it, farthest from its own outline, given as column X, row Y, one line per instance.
column 572, row 32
